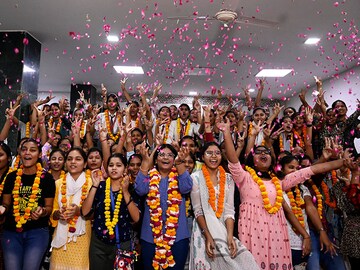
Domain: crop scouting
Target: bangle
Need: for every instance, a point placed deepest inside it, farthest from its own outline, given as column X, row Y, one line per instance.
column 307, row 237
column 129, row 202
column 103, row 140
column 207, row 122
column 321, row 230
column 141, row 169
column 309, row 124
column 94, row 187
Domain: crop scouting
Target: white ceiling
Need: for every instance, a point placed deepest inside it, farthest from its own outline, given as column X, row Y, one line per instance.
column 164, row 48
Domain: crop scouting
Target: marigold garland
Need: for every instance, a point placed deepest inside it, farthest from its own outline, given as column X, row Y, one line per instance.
column 179, row 126
column 108, row 127
column 22, row 219
column 163, row 256
column 16, row 163
column 84, row 191
column 211, row 190
column 318, row 198
column 325, row 190
column 300, row 139
column 82, row 129
column 110, row 224
column 250, row 130
column 281, row 142
column 279, row 198
column 3, row 181
column 296, row 205
column 27, row 130
column 58, row 126
column 62, row 174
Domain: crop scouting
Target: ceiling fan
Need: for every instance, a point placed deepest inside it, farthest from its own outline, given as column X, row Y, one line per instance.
column 228, row 16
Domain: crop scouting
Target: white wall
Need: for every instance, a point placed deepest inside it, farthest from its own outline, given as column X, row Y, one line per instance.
column 345, row 87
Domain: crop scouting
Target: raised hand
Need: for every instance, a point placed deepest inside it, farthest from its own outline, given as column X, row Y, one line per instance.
column 257, row 128
column 10, row 112
column 309, row 115
column 183, row 153
column 123, row 82
column 275, row 135
column 224, row 125
column 103, row 90
column 96, row 176
column 141, row 90
column 277, row 108
column 125, row 184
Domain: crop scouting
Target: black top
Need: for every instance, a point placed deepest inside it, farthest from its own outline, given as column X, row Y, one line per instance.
column 46, row 190
column 125, row 226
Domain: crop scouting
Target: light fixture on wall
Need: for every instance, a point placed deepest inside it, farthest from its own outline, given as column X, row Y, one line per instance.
column 251, row 90
column 192, row 93
column 129, row 69
column 273, row 73
column 312, row 41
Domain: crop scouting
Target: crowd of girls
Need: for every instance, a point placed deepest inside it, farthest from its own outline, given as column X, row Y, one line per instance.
column 207, row 187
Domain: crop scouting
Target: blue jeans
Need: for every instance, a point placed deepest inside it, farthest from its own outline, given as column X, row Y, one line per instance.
column 179, row 250
column 318, row 257
column 24, row 250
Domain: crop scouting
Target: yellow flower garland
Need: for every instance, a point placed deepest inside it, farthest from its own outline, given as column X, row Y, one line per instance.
column 187, row 129
column 108, row 127
column 58, row 126
column 22, row 219
column 279, row 198
column 163, row 256
column 296, row 205
column 27, row 130
column 82, row 129
column 84, row 191
column 110, row 224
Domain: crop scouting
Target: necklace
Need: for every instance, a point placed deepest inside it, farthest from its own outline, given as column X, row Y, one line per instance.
column 108, row 127
column 163, row 256
column 279, row 198
column 19, row 218
column 84, row 190
column 110, row 224
column 211, row 190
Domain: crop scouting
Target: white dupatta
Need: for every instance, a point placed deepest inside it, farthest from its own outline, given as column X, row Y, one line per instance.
column 73, row 195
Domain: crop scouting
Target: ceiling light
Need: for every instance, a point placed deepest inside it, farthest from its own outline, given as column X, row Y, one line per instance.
column 27, row 69
column 192, row 93
column 273, row 73
column 112, row 38
column 251, row 90
column 129, row 69
column 312, row 41
column 199, row 71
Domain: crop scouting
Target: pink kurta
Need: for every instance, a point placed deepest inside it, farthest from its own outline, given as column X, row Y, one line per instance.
column 265, row 235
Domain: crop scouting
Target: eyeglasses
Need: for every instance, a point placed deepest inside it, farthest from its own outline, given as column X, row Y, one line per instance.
column 262, row 151
column 169, row 155
column 209, row 153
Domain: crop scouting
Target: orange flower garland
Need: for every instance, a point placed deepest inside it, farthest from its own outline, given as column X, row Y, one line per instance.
column 281, row 142
column 163, row 256
column 325, row 189
column 279, row 198
column 187, row 129
column 58, row 126
column 300, row 139
column 3, row 181
column 318, row 198
column 296, row 205
column 84, row 191
column 187, row 206
column 108, row 126
column 211, row 190
column 16, row 163
column 22, row 219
